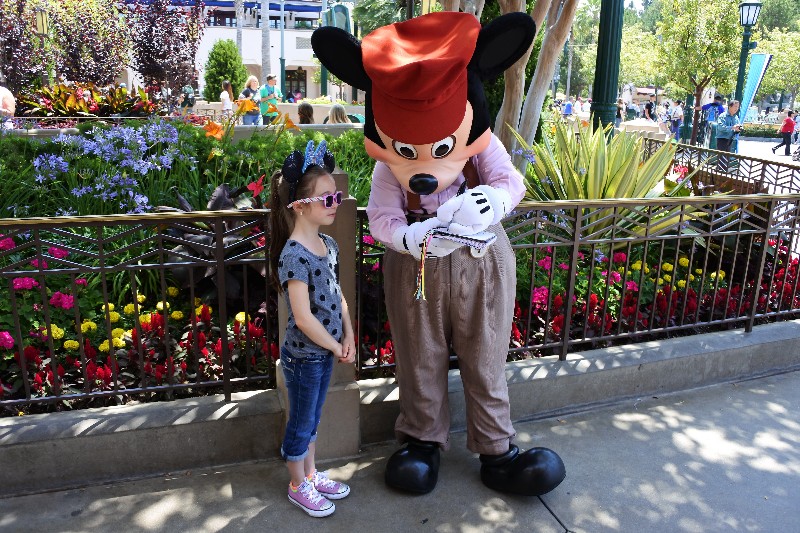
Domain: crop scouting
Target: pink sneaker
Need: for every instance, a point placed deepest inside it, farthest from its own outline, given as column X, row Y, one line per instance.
column 333, row 490
column 309, row 500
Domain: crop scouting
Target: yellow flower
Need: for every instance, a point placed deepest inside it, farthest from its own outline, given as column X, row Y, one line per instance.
column 667, row 267
column 103, row 346
column 117, row 333
column 88, row 326
column 717, row 275
column 141, row 298
column 241, row 317
column 110, row 307
column 118, row 342
column 113, row 317
column 646, row 269
column 660, row 281
column 56, row 332
column 197, row 301
column 621, row 270
column 129, row 309
column 71, row 345
column 691, row 277
column 721, row 274
column 161, row 305
column 698, row 271
column 173, row 291
column 636, row 266
column 176, row 315
column 667, row 278
column 681, row 284
column 684, row 262
column 144, row 319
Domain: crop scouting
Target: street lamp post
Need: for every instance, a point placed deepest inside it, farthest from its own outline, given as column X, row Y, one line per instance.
column 42, row 29
column 748, row 16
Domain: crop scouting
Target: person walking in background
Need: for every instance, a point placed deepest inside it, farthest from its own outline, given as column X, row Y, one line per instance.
column 337, row 115
column 306, row 113
column 187, row 100
column 620, row 114
column 226, row 97
column 567, row 108
column 676, row 119
column 787, row 128
column 270, row 94
column 250, row 92
column 650, row 109
column 8, row 106
column 728, row 128
column 304, row 268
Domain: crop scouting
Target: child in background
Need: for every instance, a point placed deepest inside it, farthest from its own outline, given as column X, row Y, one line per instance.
column 226, row 97
column 304, row 266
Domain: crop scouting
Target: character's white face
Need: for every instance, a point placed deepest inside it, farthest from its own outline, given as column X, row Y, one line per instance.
column 429, row 168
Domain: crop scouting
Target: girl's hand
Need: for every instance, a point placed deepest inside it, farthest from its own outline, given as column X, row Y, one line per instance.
column 348, row 350
column 337, row 351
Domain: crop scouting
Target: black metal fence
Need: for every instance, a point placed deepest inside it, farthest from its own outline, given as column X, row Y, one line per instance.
column 594, row 274
column 100, row 310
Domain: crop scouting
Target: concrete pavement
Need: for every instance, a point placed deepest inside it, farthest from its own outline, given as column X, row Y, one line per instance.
column 763, row 150
column 722, row 458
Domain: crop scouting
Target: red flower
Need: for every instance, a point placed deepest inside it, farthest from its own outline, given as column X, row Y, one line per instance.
column 256, row 187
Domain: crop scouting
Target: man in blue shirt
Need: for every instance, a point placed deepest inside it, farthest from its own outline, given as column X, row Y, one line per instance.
column 728, row 128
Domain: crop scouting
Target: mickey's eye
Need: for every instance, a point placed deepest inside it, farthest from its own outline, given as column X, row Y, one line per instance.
column 405, row 150
column 443, row 148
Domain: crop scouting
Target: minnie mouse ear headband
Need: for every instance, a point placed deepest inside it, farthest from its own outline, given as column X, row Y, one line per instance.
column 296, row 165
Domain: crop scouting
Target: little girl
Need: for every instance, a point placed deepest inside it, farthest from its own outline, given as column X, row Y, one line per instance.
column 304, row 267
column 226, row 97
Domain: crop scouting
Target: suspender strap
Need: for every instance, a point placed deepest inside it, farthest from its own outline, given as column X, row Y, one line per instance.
column 470, row 175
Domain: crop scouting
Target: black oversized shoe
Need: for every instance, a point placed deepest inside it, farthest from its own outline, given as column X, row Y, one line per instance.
column 414, row 468
column 531, row 473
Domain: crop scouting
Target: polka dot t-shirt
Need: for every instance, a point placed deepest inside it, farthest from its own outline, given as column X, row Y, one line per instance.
column 324, row 294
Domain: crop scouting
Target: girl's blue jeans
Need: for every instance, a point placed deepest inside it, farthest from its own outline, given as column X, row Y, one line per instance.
column 250, row 120
column 307, row 380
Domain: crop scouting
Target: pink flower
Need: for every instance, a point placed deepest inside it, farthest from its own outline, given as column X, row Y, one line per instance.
column 367, row 239
column 24, row 283
column 563, row 266
column 546, row 262
column 6, row 340
column 64, row 301
column 619, row 257
column 631, row 286
column 616, row 277
column 7, row 244
column 81, row 281
column 58, row 253
column 35, row 263
column 580, row 255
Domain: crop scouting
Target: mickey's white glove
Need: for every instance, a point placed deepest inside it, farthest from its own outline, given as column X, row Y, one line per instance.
column 475, row 210
column 410, row 239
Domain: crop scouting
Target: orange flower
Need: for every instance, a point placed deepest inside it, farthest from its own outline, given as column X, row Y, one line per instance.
column 214, row 130
column 272, row 109
column 245, row 105
column 289, row 125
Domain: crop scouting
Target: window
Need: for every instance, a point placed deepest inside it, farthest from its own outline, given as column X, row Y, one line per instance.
column 296, row 81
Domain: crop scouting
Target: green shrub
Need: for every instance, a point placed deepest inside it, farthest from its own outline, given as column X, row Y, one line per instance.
column 224, row 63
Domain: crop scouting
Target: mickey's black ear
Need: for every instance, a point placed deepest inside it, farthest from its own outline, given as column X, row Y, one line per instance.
column 501, row 43
column 328, row 162
column 340, row 53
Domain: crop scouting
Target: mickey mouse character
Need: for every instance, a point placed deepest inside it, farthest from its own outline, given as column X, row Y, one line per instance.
column 427, row 125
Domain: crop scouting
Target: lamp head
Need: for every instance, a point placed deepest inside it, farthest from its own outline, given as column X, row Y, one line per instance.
column 749, row 11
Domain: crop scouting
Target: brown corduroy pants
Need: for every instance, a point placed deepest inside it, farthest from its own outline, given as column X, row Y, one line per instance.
column 469, row 306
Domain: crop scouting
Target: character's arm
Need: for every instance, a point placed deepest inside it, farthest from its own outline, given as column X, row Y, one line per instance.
column 500, row 191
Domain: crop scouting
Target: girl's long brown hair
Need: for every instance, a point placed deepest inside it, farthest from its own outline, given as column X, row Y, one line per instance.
column 226, row 86
column 282, row 218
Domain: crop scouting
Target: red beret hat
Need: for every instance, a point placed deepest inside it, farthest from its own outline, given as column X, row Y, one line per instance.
column 418, row 70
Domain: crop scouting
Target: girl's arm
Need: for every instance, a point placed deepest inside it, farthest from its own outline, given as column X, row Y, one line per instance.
column 348, row 339
column 307, row 322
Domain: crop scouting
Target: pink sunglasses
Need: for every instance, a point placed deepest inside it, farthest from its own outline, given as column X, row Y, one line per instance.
column 327, row 200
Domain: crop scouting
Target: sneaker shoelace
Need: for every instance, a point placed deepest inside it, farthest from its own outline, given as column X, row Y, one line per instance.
column 310, row 493
column 321, row 479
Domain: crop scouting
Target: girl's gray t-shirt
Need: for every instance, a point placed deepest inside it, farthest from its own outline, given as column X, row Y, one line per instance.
column 321, row 274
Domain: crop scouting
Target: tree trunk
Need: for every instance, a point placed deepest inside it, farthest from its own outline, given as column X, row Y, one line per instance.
column 569, row 65
column 239, row 7
column 515, row 76
column 698, row 97
column 559, row 20
column 451, row 5
column 266, row 67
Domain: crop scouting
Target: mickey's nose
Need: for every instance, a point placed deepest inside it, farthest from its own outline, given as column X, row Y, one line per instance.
column 423, row 183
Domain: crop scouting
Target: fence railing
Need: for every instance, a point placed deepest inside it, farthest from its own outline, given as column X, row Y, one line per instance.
column 594, row 274
column 105, row 309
